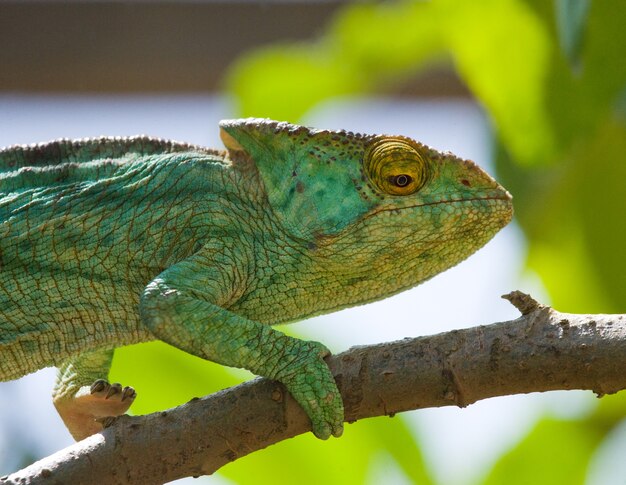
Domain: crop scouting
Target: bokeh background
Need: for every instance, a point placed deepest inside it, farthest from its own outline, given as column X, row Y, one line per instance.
column 532, row 90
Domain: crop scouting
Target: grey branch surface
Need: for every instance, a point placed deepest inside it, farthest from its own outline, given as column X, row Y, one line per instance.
column 542, row 350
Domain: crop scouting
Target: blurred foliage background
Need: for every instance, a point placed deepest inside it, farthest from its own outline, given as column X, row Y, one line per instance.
column 551, row 77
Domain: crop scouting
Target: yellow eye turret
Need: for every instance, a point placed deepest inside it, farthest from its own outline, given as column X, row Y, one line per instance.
column 395, row 167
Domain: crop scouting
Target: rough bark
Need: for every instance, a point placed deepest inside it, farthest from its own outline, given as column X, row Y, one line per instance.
column 542, row 350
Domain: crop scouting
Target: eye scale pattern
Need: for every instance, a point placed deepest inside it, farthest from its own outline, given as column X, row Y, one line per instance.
column 395, row 166
column 112, row 241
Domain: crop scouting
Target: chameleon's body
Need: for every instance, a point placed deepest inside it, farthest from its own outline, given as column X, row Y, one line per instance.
column 109, row 242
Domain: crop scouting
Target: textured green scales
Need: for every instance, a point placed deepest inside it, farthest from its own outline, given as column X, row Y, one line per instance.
column 109, row 242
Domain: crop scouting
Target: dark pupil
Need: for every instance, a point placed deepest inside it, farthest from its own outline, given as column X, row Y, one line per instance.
column 402, row 180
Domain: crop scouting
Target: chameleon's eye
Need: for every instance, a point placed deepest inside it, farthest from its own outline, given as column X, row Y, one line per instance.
column 395, row 167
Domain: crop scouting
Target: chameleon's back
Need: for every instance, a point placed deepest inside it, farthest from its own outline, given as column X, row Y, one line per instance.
column 77, row 243
column 63, row 162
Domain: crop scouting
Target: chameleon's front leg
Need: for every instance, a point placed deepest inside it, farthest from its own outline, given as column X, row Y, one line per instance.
column 180, row 308
column 82, row 394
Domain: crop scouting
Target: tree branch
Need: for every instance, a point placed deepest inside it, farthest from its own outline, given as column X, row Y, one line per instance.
column 540, row 351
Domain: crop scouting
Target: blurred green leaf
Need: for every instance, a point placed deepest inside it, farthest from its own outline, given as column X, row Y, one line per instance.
column 282, row 82
column 555, row 452
column 501, row 49
column 571, row 211
column 366, row 47
column 610, row 411
column 386, row 40
column 394, row 436
column 559, row 451
column 336, row 461
column 164, row 376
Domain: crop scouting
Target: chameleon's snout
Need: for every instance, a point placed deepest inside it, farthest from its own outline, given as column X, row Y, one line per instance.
column 506, row 204
column 474, row 183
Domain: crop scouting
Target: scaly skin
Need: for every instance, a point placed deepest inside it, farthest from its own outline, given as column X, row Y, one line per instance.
column 109, row 242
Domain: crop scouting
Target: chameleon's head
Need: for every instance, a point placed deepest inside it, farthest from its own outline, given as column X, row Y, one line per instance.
column 373, row 206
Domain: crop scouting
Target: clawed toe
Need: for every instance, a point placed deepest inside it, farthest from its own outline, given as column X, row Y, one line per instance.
column 102, row 389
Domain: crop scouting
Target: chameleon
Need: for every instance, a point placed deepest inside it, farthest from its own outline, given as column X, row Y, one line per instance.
column 108, row 242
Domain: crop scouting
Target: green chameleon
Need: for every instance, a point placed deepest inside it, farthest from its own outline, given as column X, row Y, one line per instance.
column 113, row 241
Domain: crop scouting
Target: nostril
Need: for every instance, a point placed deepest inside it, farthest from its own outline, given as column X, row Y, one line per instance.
column 466, row 182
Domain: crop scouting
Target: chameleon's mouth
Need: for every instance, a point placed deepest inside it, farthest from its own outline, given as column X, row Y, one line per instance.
column 503, row 196
column 497, row 207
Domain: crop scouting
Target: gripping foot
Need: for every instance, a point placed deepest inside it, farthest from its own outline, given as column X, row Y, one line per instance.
column 83, row 412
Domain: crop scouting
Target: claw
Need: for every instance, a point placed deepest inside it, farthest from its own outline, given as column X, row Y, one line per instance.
column 98, row 386
column 128, row 393
column 115, row 388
